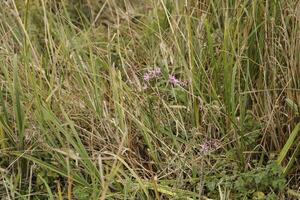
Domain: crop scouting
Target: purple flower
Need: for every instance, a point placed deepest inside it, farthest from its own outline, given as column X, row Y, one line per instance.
column 205, row 148
column 209, row 146
column 173, row 80
column 151, row 74
column 146, row 77
column 157, row 71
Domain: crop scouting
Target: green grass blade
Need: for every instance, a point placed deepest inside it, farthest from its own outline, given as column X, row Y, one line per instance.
column 20, row 116
column 50, row 195
column 52, row 168
column 288, row 145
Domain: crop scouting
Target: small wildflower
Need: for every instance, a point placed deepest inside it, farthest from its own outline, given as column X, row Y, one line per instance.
column 146, row 77
column 205, row 148
column 187, row 82
column 151, row 74
column 157, row 71
column 209, row 146
column 173, row 80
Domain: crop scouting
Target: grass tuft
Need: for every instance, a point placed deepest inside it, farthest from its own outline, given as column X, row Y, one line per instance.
column 149, row 99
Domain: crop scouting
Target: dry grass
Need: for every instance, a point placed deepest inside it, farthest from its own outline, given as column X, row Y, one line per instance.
column 78, row 121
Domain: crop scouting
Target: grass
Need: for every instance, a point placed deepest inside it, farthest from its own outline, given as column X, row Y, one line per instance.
column 218, row 120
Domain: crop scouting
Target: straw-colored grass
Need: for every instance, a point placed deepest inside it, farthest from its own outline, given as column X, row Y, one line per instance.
column 149, row 99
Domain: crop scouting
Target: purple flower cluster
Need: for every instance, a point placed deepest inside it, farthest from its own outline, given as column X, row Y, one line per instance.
column 205, row 148
column 152, row 74
column 209, row 146
column 174, row 81
column 156, row 72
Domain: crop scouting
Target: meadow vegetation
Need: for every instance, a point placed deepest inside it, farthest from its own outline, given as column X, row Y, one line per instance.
column 149, row 99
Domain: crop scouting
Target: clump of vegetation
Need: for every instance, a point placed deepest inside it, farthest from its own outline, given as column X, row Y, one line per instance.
column 254, row 183
column 149, row 99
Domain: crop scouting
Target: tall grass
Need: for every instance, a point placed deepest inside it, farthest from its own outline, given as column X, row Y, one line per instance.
column 78, row 120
